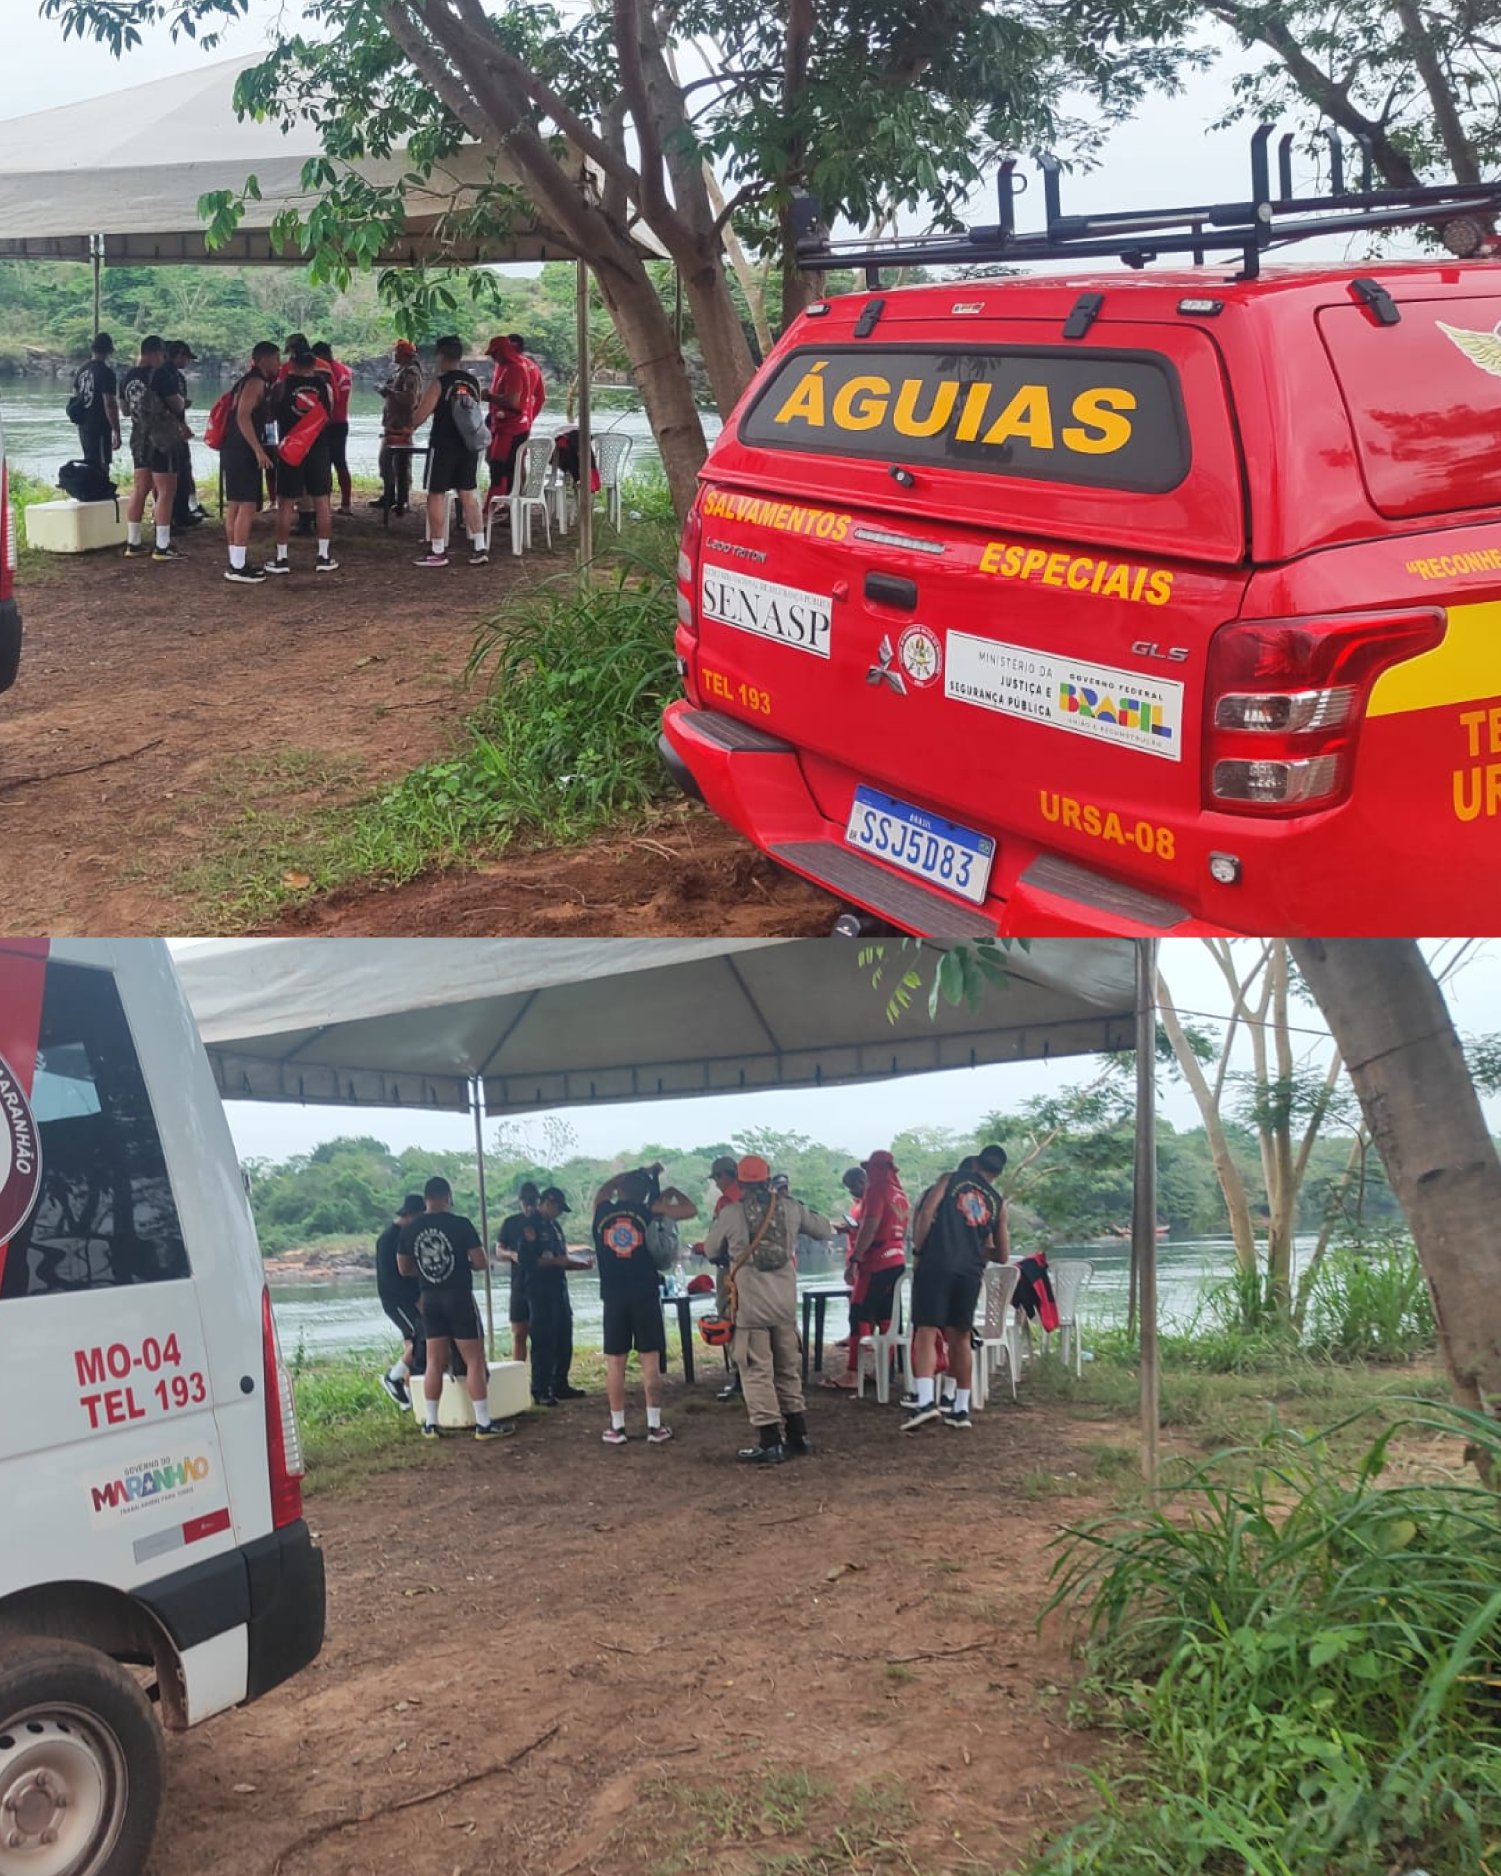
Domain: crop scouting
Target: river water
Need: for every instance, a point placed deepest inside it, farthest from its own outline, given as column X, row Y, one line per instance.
column 38, row 437
column 345, row 1314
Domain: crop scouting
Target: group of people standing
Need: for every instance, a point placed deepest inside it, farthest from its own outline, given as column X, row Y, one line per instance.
column 958, row 1228
column 282, row 430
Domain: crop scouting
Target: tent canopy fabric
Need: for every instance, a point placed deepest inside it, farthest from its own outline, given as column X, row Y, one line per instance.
column 132, row 167
column 571, row 1022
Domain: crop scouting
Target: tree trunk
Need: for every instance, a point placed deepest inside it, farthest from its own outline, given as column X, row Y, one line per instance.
column 716, row 325
column 1237, row 1204
column 1393, row 1027
column 1457, row 146
column 645, row 329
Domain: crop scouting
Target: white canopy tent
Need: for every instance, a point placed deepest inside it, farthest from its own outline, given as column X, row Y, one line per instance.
column 569, row 1022
column 506, row 1026
column 119, row 178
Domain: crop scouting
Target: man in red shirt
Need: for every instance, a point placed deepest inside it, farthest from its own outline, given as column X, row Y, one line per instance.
column 342, row 383
column 510, row 401
column 878, row 1256
column 536, row 383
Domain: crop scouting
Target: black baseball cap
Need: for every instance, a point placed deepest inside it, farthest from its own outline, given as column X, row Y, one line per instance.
column 992, row 1158
column 182, row 349
column 555, row 1196
column 411, row 1205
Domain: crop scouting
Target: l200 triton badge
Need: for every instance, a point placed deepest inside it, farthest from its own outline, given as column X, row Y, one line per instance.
column 884, row 670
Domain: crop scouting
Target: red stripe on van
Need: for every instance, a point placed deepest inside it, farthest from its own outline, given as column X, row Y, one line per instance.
column 23, row 976
column 206, row 1526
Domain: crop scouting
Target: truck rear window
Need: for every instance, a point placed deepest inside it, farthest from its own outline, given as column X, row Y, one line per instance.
column 1424, row 402
column 104, row 1215
column 1098, row 418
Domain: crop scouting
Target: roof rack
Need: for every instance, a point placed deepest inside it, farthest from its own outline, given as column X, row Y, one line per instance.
column 1267, row 219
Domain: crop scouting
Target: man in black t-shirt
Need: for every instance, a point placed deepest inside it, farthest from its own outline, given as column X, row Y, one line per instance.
column 508, row 1249
column 631, row 1291
column 442, row 1250
column 300, row 391
column 546, row 1262
column 187, row 510
column 153, row 396
column 399, row 1298
column 97, row 388
column 453, row 462
column 961, row 1227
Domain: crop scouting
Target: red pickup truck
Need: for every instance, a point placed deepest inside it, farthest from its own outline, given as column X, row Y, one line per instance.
column 1137, row 602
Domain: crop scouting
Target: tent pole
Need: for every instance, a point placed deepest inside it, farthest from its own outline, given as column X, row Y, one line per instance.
column 96, row 248
column 477, row 1104
column 585, row 414
column 1144, row 1199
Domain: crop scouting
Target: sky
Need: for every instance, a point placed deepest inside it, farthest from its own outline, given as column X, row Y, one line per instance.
column 857, row 1118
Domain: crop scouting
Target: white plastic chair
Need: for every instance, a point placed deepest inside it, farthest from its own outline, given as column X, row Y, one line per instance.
column 1069, row 1279
column 878, row 1353
column 528, row 496
column 997, row 1332
column 612, row 452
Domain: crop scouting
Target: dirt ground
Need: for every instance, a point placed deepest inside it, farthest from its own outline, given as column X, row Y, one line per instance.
column 556, row 1658
column 158, row 705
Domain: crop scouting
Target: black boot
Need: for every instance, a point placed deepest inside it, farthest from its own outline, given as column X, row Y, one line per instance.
column 798, row 1442
column 770, row 1451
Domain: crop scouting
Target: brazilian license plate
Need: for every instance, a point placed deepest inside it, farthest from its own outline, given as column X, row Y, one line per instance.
column 949, row 856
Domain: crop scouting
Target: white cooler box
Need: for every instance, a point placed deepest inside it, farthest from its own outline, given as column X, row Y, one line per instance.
column 68, row 527
column 510, row 1394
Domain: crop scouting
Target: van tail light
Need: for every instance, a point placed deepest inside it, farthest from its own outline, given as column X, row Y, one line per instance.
column 686, row 641
column 7, row 536
column 283, row 1441
column 1285, row 700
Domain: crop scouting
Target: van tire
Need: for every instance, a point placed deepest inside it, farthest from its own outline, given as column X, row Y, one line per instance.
column 110, row 1755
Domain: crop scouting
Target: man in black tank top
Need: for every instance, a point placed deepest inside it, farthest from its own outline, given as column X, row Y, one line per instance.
column 961, row 1227
column 246, row 461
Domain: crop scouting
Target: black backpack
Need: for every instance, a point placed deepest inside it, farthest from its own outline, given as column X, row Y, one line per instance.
column 86, row 482
column 81, row 402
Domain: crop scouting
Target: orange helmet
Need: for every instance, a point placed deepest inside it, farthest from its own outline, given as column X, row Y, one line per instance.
column 716, row 1330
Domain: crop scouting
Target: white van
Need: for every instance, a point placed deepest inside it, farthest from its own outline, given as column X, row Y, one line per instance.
column 155, row 1551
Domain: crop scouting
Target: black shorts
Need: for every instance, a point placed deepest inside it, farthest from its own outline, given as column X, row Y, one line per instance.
column 451, row 1313
column 451, row 468
column 243, row 480
column 944, row 1298
column 879, row 1300
column 403, row 1311
column 160, row 462
column 635, row 1321
column 521, row 1309
column 314, row 475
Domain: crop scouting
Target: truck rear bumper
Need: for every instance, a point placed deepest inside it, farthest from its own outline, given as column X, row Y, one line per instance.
column 273, row 1588
column 10, row 642
column 754, row 781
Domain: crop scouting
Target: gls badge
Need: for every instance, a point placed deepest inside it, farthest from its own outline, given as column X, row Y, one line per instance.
column 1147, row 648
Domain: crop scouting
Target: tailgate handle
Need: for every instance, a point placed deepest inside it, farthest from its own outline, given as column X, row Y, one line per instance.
column 889, row 589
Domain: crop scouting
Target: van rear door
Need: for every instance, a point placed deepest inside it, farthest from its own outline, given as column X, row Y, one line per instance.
column 109, row 1448
column 978, row 573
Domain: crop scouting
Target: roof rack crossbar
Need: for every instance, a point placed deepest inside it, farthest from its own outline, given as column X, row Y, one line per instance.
column 1248, row 227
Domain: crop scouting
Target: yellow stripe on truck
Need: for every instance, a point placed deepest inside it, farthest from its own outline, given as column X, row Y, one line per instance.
column 1466, row 665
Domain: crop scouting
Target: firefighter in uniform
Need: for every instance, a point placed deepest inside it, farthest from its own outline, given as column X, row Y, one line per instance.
column 760, row 1230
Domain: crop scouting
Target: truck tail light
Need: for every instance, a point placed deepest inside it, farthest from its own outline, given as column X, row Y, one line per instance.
column 283, row 1441
column 7, row 536
column 1285, row 700
column 686, row 642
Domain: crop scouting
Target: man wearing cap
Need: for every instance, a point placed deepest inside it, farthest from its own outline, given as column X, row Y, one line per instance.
column 442, row 1250
column 961, row 1227
column 398, row 1298
column 151, row 398
column 97, row 389
column 400, row 394
column 510, row 401
column 631, row 1291
column 545, row 1263
column 760, row 1231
